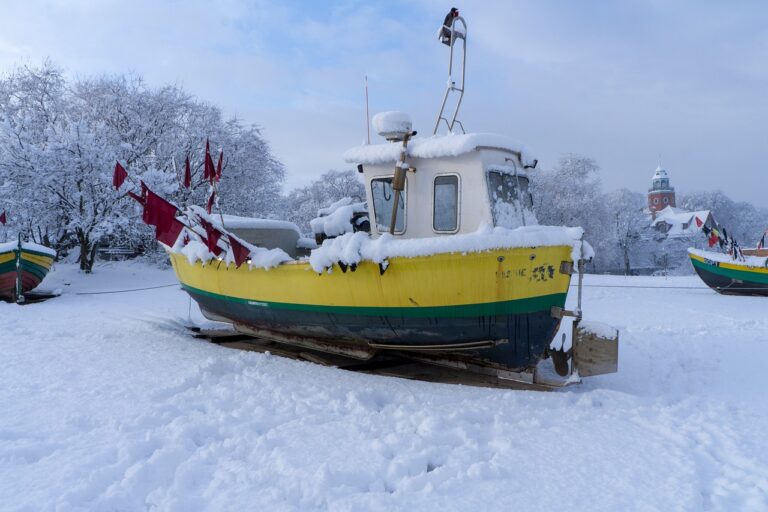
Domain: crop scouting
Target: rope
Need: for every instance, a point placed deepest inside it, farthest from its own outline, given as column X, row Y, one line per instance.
column 648, row 287
column 130, row 290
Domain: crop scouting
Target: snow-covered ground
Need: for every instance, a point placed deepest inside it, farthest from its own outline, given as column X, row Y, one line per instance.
column 107, row 404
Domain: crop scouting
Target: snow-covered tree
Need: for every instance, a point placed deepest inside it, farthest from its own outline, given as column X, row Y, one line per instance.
column 626, row 208
column 59, row 142
column 570, row 195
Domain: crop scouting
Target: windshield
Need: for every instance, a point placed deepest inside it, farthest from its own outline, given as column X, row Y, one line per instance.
column 510, row 199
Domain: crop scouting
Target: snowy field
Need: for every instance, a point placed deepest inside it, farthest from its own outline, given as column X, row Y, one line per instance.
column 107, row 404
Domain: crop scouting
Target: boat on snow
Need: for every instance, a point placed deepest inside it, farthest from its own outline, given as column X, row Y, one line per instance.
column 451, row 266
column 23, row 266
column 725, row 275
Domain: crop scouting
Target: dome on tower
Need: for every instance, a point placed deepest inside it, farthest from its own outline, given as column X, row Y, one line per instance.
column 660, row 174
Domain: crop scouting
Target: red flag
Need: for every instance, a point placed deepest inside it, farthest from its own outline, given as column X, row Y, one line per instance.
column 211, row 199
column 713, row 238
column 136, row 197
column 698, row 222
column 209, row 172
column 218, row 166
column 187, row 173
column 3, row 218
column 168, row 233
column 160, row 213
column 212, row 237
column 119, row 176
column 240, row 252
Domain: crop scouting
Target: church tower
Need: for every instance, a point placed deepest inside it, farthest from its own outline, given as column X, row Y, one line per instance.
column 661, row 194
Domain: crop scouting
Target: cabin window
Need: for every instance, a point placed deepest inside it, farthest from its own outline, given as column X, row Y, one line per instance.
column 510, row 199
column 383, row 199
column 445, row 204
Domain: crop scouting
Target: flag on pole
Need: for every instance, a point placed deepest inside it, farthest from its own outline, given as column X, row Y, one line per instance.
column 3, row 218
column 187, row 173
column 241, row 252
column 209, row 172
column 698, row 222
column 211, row 199
column 212, row 237
column 218, row 166
column 160, row 213
column 119, row 176
column 760, row 244
column 713, row 239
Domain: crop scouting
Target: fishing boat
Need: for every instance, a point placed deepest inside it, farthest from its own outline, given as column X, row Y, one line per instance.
column 729, row 276
column 23, row 266
column 450, row 268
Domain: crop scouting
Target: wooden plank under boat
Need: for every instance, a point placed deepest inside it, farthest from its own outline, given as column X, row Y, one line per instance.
column 23, row 266
column 732, row 277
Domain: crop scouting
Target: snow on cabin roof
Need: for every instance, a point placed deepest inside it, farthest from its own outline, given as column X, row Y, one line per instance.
column 436, row 146
column 681, row 221
column 236, row 222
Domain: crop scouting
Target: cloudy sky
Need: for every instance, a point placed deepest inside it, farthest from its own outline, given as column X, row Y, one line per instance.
column 626, row 83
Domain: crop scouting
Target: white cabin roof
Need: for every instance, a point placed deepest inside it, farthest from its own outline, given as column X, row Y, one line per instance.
column 437, row 146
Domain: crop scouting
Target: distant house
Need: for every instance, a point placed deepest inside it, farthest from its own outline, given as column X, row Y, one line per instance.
column 674, row 222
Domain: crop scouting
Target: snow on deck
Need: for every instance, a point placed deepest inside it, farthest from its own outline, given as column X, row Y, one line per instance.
column 120, row 409
column 436, row 146
column 351, row 248
column 749, row 261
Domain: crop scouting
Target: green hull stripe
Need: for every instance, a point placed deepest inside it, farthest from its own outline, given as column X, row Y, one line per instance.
column 9, row 266
column 34, row 268
column 530, row 305
column 741, row 275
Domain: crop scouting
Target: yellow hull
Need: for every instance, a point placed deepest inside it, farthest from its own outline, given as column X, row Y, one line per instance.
column 494, row 305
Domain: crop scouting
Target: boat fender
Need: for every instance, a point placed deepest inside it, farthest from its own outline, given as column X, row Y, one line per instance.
column 343, row 267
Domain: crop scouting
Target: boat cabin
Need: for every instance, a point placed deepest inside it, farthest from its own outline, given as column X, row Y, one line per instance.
column 454, row 184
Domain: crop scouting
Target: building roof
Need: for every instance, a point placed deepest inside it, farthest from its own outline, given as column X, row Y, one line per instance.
column 660, row 173
column 681, row 222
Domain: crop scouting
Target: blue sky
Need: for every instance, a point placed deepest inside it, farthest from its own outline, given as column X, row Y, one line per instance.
column 622, row 82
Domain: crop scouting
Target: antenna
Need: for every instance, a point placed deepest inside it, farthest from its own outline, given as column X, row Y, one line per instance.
column 448, row 35
column 367, row 115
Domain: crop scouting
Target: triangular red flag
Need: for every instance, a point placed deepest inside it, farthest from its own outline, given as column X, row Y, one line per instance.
column 119, row 176
column 713, row 238
column 3, row 218
column 211, row 199
column 218, row 165
column 212, row 237
column 240, row 252
column 209, row 173
column 698, row 222
column 187, row 173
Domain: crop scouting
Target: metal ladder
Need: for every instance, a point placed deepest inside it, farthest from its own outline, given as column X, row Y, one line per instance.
column 451, row 86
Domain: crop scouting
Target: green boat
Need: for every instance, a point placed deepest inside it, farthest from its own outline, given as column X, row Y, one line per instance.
column 731, row 277
column 23, row 265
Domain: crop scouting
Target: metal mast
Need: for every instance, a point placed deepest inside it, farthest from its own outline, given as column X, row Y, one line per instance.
column 449, row 34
